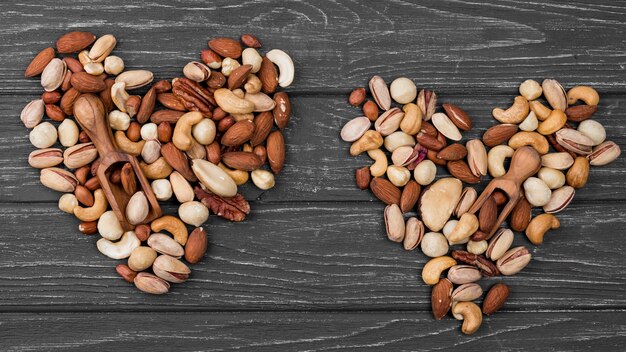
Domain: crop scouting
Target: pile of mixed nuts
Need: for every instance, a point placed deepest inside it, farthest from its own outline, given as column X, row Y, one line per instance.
column 199, row 136
column 406, row 145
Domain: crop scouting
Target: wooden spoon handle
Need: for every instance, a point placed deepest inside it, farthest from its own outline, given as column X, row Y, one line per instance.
column 525, row 163
column 89, row 112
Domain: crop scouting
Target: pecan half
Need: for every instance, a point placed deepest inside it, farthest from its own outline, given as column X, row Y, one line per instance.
column 486, row 266
column 234, row 208
column 193, row 96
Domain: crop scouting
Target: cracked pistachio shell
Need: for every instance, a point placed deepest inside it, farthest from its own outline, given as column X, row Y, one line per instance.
column 32, row 114
column 499, row 244
column 394, row 223
column 165, row 244
column 214, row 178
column 398, row 139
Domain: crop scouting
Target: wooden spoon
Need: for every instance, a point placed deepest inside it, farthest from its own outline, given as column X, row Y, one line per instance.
column 90, row 114
column 525, row 163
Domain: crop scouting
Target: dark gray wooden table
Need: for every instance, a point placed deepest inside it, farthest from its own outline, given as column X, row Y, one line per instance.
column 311, row 268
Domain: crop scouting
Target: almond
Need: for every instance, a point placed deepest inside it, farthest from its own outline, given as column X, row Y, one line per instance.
column 73, row 42
column 488, row 215
column 460, row 170
column 429, row 142
column 268, row 76
column 178, row 160
column 452, row 152
column 520, row 215
column 441, row 298
column 67, row 101
column 196, row 245
column 410, row 195
column 246, row 161
column 250, row 41
column 263, row 123
column 282, row 110
column 384, row 190
column 580, row 113
column 238, row 134
column 226, row 47
column 170, row 101
column 458, row 117
column 147, row 106
column 40, row 62
column 239, row 76
column 86, row 83
column 275, row 146
column 73, row 64
column 495, row 298
column 499, row 134
column 170, row 116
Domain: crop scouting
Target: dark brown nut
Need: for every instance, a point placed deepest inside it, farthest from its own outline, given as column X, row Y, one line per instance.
column 219, row 114
column 164, row 132
column 54, row 112
column 460, row 170
column 134, row 131
column 250, row 41
column 580, row 113
column 193, row 96
column 143, row 232
column 495, row 298
column 282, row 110
column 226, row 47
column 126, row 273
column 39, row 62
column 458, row 117
column 441, row 298
column 263, row 123
column 363, row 177
column 73, row 42
column 88, row 227
column 520, row 215
column 261, row 152
column 196, row 245
column 370, row 110
column 83, row 195
column 178, row 160
column 67, row 81
column 162, row 86
column 357, row 96
column 166, row 115
column 82, row 173
column 238, row 134
column 500, row 197
column 83, row 137
column 68, row 99
column 453, row 152
column 216, row 80
column 268, row 76
column 246, row 161
column 427, row 102
column 214, row 153
column 170, row 101
column 499, row 134
column 224, row 124
column 132, row 105
column 92, row 184
column 238, row 76
column 386, row 191
column 106, row 97
column 86, row 83
column 128, row 179
column 488, row 215
column 429, row 142
column 432, row 156
column 275, row 146
column 73, row 64
column 51, row 97
column 410, row 195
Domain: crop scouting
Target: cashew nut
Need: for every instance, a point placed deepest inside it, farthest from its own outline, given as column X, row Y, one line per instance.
column 239, row 176
column 515, row 114
column 584, row 93
column 496, row 158
column 467, row 225
column 229, row 102
column 93, row 212
column 533, row 139
column 538, row 227
column 157, row 170
column 172, row 225
column 120, row 249
column 182, row 138
column 126, row 145
column 433, row 269
column 541, row 111
column 412, row 120
column 285, row 66
column 379, row 167
column 554, row 122
column 119, row 95
column 368, row 141
column 471, row 314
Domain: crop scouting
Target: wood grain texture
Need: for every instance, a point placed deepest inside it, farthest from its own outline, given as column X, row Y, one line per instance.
column 318, row 166
column 254, row 331
column 311, row 268
column 459, row 45
column 300, row 256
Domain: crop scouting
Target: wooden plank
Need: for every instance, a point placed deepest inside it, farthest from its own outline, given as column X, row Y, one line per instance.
column 462, row 45
column 318, row 165
column 263, row 331
column 300, row 256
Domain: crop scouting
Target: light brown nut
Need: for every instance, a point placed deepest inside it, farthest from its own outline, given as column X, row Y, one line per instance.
column 79, row 155
column 471, row 315
column 541, row 111
column 554, row 122
column 94, row 212
column 495, row 159
column 427, row 102
column 172, row 225
column 412, row 121
column 463, row 274
column 467, row 293
column 53, row 74
column 495, row 298
column 33, row 112
column 370, row 140
column 431, row 273
column 499, row 244
column 514, row 260
column 389, row 121
column 102, row 48
column 604, row 153
column 45, row 158
column 467, row 225
column 533, row 139
column 536, row 192
column 170, row 269
column 137, row 208
column 164, row 244
column 441, row 298
column 353, row 129
column 530, row 89
column 557, row 161
column 444, row 125
column 394, row 223
column 434, row 244
column 414, row 233
column 585, row 93
column 594, row 130
column 554, row 94
column 58, row 179
column 438, row 201
column 515, row 114
column 467, row 199
column 141, row 258
column 380, row 92
column 477, row 157
column 152, row 284
column 538, row 227
column 560, row 199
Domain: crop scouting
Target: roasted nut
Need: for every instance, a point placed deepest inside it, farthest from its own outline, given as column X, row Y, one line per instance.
column 463, row 274
column 412, row 121
column 467, row 225
column 558, row 161
column 515, row 114
column 141, row 258
column 574, row 141
column 539, row 225
column 44, row 158
column 441, row 298
column 533, row 139
column 553, row 178
column 370, row 140
column 431, row 273
column 380, row 92
column 536, row 192
column 468, row 197
column 471, row 315
column 467, row 293
column 477, row 157
column 554, row 94
column 499, row 244
column 604, row 153
column 578, row 174
column 530, row 89
column 357, row 96
column 513, row 261
column 152, row 284
column 585, row 93
column 394, row 223
column 413, row 234
column 121, row 249
column 495, row 298
column 193, row 213
column 403, row 90
column 559, row 200
column 170, row 269
column 496, row 158
column 389, row 121
column 58, row 179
